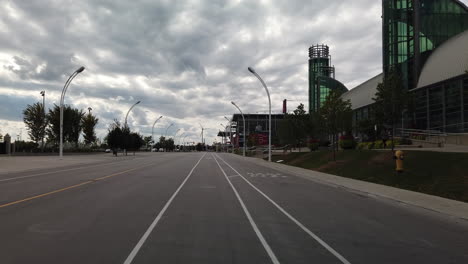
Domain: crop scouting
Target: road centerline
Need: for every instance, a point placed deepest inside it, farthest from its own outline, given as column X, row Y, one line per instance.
column 265, row 244
column 71, row 187
column 304, row 228
column 145, row 236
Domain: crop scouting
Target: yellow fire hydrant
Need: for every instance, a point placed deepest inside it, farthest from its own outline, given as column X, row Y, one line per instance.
column 399, row 160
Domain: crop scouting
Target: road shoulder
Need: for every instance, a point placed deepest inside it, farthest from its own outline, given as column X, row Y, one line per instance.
column 441, row 205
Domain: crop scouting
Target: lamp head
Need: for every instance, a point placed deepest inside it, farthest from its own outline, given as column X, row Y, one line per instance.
column 80, row 69
column 251, row 70
column 233, row 103
column 138, row 102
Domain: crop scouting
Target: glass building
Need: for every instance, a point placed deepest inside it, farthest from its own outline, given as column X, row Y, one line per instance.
column 426, row 42
column 321, row 76
column 412, row 29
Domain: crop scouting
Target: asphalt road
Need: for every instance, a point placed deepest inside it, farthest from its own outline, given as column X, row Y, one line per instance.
column 209, row 208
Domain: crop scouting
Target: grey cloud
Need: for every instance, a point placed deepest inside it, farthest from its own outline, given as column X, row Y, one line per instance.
column 175, row 44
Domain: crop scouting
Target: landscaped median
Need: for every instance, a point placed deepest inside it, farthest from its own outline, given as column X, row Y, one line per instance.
column 435, row 173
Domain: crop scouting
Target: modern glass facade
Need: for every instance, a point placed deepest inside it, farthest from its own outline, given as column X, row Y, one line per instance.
column 443, row 106
column 321, row 76
column 412, row 29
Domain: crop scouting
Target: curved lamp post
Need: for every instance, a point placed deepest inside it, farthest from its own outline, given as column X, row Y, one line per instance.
column 243, row 119
column 125, row 124
column 62, row 99
column 165, row 134
column 180, row 137
column 269, row 110
column 175, row 134
column 152, row 129
column 224, row 134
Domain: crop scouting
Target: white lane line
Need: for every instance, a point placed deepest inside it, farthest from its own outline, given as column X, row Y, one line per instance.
column 252, row 222
column 53, row 172
column 158, row 217
column 305, row 229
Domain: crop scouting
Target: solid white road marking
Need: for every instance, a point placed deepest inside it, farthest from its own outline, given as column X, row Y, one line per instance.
column 158, row 217
column 305, row 229
column 252, row 222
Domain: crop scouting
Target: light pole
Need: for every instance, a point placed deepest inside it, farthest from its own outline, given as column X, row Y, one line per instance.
column 180, row 137
column 175, row 134
column 202, row 141
column 89, row 110
column 43, row 108
column 269, row 111
column 230, row 133
column 62, row 99
column 152, row 129
column 224, row 135
column 125, row 124
column 165, row 134
column 243, row 119
column 183, row 141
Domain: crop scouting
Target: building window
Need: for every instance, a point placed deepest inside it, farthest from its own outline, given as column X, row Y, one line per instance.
column 465, row 103
column 420, row 105
column 453, row 114
column 436, row 105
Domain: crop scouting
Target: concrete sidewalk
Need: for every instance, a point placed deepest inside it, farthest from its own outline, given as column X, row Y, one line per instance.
column 12, row 164
column 434, row 203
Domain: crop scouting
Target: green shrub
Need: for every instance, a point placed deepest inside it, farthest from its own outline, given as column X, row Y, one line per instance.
column 378, row 144
column 370, row 145
column 313, row 146
column 362, row 145
column 347, row 142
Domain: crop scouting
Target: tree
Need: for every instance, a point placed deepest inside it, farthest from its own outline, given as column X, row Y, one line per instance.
column 115, row 136
column 293, row 128
column 135, row 142
column 53, row 130
column 88, row 123
column 337, row 117
column 74, row 124
column 148, row 140
column 35, row 119
column 390, row 101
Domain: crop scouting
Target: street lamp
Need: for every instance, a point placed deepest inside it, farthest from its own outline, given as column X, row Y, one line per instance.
column 175, row 134
column 243, row 119
column 230, row 133
column 152, row 129
column 269, row 110
column 202, row 141
column 165, row 134
column 180, row 137
column 62, row 99
column 125, row 124
column 43, row 108
column 89, row 110
column 224, row 135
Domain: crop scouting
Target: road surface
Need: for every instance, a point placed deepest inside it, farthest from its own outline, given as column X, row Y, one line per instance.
column 209, row 208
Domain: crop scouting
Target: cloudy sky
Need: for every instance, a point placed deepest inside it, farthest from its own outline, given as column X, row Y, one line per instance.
column 185, row 60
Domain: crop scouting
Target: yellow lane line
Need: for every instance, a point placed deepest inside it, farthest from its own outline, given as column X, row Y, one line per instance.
column 71, row 187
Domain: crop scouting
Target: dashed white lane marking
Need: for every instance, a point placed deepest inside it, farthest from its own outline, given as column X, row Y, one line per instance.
column 158, row 217
column 267, row 247
column 305, row 229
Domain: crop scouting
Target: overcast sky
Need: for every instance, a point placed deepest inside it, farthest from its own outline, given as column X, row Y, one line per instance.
column 185, row 60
